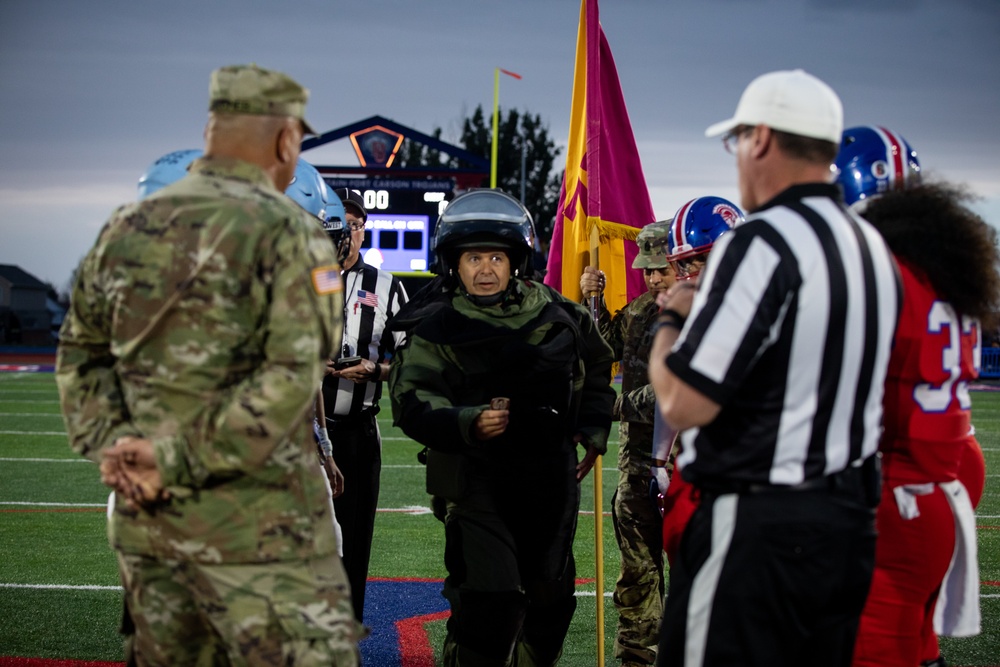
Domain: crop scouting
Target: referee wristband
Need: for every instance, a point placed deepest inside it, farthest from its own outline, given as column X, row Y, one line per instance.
column 670, row 312
column 668, row 321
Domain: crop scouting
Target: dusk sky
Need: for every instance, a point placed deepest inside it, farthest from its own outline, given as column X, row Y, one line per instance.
column 93, row 92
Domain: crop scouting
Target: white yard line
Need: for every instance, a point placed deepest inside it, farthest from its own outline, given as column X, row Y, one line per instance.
column 389, row 438
column 415, row 510
column 14, row 459
column 118, row 589
column 31, row 414
column 31, row 391
column 61, row 587
column 34, row 504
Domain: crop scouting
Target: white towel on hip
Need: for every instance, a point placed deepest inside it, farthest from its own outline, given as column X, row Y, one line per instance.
column 957, row 611
column 906, row 498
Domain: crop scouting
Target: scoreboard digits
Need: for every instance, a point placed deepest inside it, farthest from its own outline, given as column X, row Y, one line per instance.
column 378, row 200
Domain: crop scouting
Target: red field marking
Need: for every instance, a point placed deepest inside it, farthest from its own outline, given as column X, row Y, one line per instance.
column 27, row 368
column 29, row 356
column 414, row 644
column 426, row 580
column 990, row 583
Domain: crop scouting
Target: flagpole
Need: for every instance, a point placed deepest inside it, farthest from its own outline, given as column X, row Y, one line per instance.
column 599, row 555
column 496, row 121
column 595, row 244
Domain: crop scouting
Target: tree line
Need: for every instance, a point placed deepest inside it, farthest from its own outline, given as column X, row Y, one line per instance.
column 522, row 137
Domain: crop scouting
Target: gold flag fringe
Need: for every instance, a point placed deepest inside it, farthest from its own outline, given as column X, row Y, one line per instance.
column 612, row 231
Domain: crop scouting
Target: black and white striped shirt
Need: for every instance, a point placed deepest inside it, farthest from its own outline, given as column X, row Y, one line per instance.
column 790, row 333
column 371, row 297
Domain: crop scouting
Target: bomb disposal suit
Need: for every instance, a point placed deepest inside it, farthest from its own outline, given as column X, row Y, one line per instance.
column 510, row 503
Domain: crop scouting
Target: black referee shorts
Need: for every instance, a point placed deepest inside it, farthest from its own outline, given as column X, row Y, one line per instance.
column 771, row 578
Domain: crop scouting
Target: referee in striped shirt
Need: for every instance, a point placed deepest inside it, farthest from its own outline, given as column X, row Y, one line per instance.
column 351, row 395
column 773, row 368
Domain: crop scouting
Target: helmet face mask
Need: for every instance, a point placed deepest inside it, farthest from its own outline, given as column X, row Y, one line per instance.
column 873, row 160
column 337, row 229
column 689, row 267
column 483, row 219
column 696, row 227
column 483, row 271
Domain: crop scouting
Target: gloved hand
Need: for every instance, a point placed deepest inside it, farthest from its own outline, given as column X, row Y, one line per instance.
column 658, row 487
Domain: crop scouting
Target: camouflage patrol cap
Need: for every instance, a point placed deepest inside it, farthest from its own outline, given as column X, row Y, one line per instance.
column 248, row 89
column 653, row 243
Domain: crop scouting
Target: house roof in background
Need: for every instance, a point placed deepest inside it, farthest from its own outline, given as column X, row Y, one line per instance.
column 18, row 277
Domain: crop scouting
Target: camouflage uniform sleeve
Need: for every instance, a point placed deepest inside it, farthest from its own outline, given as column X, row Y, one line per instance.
column 90, row 395
column 636, row 405
column 301, row 327
column 598, row 396
column 422, row 380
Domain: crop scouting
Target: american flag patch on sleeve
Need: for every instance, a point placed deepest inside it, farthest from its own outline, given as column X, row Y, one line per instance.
column 326, row 279
column 366, row 298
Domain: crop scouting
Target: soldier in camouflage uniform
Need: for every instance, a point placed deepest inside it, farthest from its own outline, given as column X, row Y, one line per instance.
column 639, row 590
column 187, row 367
column 504, row 473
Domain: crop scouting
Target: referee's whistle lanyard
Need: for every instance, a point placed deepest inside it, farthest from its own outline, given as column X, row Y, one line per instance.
column 355, row 276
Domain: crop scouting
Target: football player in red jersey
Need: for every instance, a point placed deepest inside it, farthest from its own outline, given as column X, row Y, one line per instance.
column 947, row 258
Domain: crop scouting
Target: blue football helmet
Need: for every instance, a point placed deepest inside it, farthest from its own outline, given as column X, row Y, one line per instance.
column 697, row 224
column 309, row 190
column 166, row 170
column 873, row 160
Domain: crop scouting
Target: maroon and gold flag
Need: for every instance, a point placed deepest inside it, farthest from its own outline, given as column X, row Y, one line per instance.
column 604, row 201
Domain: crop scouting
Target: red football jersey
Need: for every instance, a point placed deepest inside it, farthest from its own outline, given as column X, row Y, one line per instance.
column 935, row 354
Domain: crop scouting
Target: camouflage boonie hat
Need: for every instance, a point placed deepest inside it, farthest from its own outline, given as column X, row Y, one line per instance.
column 249, row 89
column 653, row 243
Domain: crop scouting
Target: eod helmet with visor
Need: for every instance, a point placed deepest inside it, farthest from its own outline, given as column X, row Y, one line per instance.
column 484, row 219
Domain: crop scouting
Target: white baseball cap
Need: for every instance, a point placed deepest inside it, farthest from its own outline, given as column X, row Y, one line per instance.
column 792, row 101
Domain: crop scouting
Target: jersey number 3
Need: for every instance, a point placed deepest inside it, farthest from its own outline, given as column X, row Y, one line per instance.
column 937, row 398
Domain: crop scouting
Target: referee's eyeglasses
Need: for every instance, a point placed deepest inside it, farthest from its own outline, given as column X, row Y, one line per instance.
column 731, row 139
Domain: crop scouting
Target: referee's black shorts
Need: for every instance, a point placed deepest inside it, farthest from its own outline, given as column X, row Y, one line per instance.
column 773, row 578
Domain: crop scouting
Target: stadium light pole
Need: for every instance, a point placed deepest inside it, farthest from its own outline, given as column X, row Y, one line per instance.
column 496, row 120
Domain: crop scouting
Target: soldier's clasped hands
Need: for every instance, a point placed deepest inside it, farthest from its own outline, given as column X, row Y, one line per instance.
column 129, row 467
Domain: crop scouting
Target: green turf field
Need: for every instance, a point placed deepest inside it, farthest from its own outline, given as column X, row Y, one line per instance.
column 59, row 595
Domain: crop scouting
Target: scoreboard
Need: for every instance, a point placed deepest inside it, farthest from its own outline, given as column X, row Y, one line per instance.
column 402, row 213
